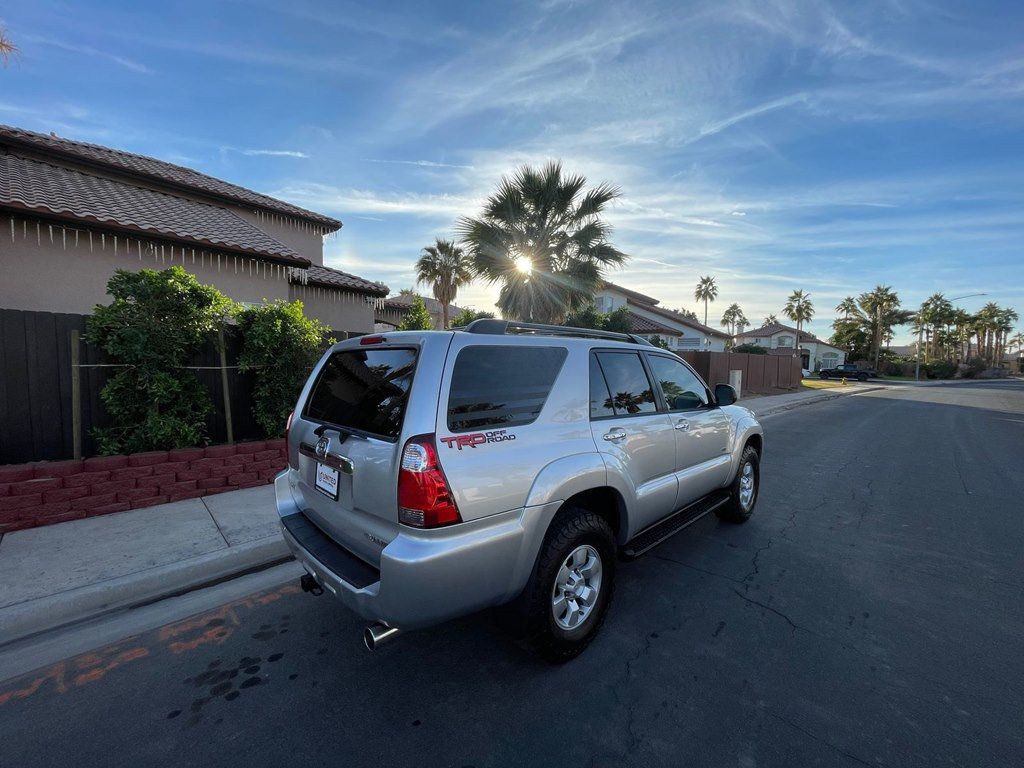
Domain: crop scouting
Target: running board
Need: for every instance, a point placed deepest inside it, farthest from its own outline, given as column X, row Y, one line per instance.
column 653, row 535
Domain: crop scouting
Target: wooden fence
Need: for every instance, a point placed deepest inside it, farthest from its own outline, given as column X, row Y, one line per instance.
column 39, row 388
column 762, row 374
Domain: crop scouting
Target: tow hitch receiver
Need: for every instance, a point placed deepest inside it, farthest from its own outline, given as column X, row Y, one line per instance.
column 309, row 584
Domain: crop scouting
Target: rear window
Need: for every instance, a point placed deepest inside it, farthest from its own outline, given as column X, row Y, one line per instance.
column 364, row 390
column 496, row 386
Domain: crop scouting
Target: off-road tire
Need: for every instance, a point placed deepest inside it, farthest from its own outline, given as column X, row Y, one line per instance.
column 532, row 611
column 733, row 511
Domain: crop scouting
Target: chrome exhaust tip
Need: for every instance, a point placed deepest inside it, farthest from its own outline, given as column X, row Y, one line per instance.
column 377, row 634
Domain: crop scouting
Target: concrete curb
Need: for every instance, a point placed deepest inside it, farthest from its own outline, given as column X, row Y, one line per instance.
column 32, row 617
column 814, row 400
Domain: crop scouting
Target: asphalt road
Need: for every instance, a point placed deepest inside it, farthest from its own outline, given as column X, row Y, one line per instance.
column 870, row 613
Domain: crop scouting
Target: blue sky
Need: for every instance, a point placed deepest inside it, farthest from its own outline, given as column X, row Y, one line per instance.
column 775, row 145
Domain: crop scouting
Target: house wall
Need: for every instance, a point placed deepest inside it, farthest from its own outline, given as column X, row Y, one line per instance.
column 608, row 300
column 56, row 275
column 300, row 237
column 819, row 355
column 339, row 310
column 59, row 276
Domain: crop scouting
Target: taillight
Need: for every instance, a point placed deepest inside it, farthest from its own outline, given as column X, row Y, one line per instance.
column 367, row 340
column 424, row 497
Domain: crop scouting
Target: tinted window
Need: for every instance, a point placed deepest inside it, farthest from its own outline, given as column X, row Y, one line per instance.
column 682, row 389
column 600, row 399
column 628, row 383
column 501, row 386
column 364, row 390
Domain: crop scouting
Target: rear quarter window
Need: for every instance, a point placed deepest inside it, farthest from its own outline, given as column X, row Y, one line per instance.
column 501, row 386
column 364, row 390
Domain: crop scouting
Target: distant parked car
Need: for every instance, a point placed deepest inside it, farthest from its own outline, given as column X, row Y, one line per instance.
column 849, row 371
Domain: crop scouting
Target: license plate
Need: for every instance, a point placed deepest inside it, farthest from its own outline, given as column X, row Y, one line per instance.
column 327, row 480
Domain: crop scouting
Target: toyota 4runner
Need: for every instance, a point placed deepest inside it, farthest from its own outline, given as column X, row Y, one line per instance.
column 433, row 474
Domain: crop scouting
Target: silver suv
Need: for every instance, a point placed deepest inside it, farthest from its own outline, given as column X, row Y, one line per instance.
column 433, row 474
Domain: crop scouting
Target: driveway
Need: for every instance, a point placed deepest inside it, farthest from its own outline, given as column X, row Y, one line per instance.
column 870, row 613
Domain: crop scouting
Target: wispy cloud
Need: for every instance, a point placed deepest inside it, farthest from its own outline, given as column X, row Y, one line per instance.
column 86, row 50
column 417, row 163
column 267, row 152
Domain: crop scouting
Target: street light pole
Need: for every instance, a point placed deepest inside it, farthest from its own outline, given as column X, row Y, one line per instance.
column 920, row 332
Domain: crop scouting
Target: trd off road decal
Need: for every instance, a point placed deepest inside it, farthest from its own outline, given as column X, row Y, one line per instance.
column 473, row 439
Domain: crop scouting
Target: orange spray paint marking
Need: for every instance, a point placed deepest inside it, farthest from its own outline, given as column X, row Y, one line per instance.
column 98, row 672
column 54, row 673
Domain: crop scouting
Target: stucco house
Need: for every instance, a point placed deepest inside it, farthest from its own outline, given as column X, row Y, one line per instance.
column 780, row 339
column 71, row 213
column 650, row 320
column 392, row 310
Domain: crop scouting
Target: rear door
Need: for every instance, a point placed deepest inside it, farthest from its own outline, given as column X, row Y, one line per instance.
column 701, row 428
column 631, row 433
column 348, row 434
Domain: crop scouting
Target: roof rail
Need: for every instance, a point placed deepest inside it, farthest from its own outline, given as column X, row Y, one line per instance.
column 492, row 326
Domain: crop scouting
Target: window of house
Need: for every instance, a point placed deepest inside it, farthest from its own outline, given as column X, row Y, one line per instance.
column 785, row 341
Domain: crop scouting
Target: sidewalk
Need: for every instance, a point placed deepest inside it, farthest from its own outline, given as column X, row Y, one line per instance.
column 63, row 573
column 771, row 404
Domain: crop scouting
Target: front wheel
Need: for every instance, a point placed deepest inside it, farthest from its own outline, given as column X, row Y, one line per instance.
column 822, row 375
column 565, row 601
column 862, row 377
column 744, row 489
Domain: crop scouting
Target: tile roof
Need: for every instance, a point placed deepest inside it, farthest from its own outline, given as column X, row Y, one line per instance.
column 641, row 297
column 639, row 324
column 772, row 328
column 335, row 278
column 158, row 171
column 32, row 186
column 669, row 314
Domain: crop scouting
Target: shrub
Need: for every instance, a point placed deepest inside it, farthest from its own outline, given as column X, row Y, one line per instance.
column 467, row 316
column 280, row 345
column 417, row 318
column 940, row 369
column 658, row 342
column 618, row 321
column 156, row 322
column 750, row 349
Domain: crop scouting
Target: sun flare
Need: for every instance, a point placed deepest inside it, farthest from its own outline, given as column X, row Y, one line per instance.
column 524, row 265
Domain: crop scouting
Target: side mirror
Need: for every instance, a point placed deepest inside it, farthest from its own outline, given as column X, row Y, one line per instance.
column 725, row 394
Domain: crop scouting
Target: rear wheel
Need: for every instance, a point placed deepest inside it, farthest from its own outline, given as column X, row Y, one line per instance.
column 862, row 377
column 744, row 490
column 565, row 601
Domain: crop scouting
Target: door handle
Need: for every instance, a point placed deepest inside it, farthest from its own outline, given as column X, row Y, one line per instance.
column 682, row 424
column 615, row 434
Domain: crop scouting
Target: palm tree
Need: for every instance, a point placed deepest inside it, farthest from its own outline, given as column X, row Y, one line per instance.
column 879, row 312
column 706, row 291
column 799, row 309
column 770, row 320
column 848, row 307
column 542, row 237
column 7, row 48
column 446, row 268
column 734, row 319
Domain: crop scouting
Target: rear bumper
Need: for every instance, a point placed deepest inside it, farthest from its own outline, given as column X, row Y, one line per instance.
column 424, row 577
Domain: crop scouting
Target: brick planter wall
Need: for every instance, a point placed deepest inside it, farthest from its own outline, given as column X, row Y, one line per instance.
column 54, row 491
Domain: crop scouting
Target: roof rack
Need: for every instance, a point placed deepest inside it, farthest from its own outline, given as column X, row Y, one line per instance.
column 496, row 327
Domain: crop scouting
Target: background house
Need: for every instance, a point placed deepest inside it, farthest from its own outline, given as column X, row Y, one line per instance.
column 781, row 339
column 392, row 310
column 71, row 213
column 649, row 320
